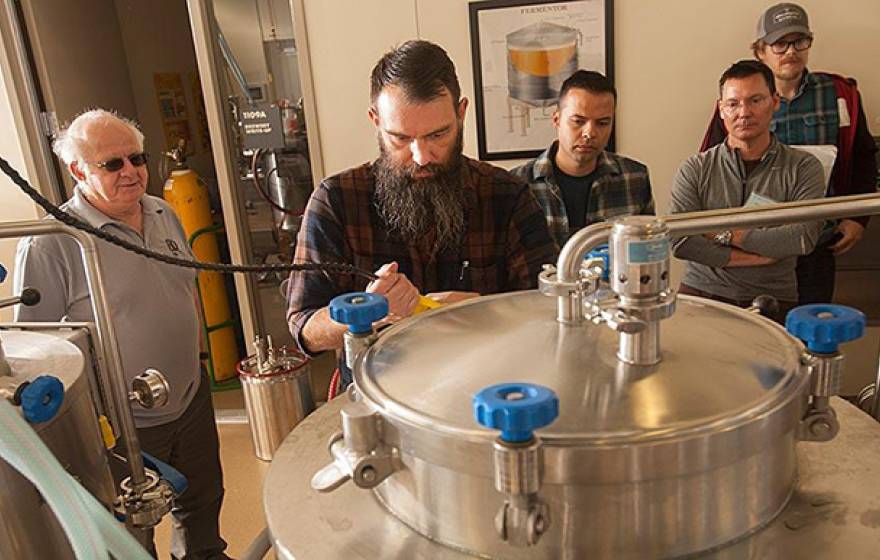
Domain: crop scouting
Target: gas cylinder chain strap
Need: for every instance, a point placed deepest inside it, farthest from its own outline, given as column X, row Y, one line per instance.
column 65, row 218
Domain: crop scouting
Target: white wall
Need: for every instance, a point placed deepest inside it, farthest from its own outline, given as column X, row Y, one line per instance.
column 668, row 55
column 14, row 204
column 343, row 50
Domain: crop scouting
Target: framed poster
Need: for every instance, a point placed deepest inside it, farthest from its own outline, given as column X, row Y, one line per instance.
column 522, row 52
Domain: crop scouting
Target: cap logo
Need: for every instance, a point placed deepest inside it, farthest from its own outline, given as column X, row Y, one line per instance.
column 786, row 15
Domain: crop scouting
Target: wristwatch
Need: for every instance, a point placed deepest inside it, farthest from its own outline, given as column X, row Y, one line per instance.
column 724, row 237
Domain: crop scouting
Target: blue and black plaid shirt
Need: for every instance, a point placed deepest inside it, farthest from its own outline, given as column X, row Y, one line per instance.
column 621, row 187
column 811, row 117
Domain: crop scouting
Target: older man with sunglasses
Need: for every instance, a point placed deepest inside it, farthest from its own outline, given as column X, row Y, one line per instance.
column 815, row 108
column 152, row 307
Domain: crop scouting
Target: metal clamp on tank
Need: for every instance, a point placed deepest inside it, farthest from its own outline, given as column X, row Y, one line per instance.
column 640, row 279
column 358, row 452
column 822, row 328
column 571, row 295
column 146, row 505
column 517, row 409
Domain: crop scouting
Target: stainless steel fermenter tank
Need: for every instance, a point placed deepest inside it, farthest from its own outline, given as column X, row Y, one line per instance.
column 678, row 428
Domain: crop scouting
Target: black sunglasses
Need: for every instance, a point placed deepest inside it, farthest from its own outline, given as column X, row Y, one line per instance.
column 116, row 164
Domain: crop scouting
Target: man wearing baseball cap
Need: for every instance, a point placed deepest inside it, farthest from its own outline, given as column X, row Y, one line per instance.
column 816, row 108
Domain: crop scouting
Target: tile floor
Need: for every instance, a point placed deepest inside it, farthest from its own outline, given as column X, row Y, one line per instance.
column 242, row 517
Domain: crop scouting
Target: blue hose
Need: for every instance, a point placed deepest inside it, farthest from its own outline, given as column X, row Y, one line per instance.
column 92, row 531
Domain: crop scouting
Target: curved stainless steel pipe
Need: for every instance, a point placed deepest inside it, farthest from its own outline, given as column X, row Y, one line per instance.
column 692, row 223
column 119, row 406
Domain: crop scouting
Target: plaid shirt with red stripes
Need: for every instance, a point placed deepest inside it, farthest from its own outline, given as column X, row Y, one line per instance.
column 505, row 243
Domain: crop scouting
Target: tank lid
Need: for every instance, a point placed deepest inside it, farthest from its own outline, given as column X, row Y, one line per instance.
column 721, row 366
column 542, row 35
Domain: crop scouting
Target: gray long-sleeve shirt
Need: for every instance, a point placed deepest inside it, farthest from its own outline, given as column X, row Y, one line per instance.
column 717, row 179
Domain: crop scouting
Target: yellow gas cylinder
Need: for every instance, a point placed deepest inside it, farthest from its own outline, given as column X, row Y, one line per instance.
column 189, row 198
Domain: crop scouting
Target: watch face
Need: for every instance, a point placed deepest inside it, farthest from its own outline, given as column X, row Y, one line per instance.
column 724, row 237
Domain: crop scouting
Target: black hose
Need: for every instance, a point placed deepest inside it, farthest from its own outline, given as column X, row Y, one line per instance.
column 65, row 218
column 260, row 188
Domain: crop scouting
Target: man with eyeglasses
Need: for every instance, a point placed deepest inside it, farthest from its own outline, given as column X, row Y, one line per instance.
column 152, row 307
column 750, row 168
column 816, row 108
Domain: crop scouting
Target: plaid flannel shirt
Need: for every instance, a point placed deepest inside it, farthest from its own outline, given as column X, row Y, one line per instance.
column 622, row 187
column 811, row 116
column 505, row 244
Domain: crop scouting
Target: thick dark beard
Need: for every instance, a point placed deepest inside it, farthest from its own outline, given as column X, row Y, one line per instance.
column 415, row 208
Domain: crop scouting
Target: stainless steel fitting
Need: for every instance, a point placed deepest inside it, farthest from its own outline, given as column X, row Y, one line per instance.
column 150, row 389
column 354, row 344
column 145, row 505
column 519, row 471
column 571, row 295
column 826, row 373
column 358, row 451
column 639, row 277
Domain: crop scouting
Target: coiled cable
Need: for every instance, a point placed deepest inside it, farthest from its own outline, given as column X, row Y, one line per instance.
column 73, row 221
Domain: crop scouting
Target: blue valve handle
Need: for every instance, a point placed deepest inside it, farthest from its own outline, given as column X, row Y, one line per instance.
column 823, row 326
column 602, row 252
column 358, row 310
column 41, row 398
column 166, row 472
column 2, row 273
column 517, row 409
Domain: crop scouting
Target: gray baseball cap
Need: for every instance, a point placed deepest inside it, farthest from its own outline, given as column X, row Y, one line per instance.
column 780, row 20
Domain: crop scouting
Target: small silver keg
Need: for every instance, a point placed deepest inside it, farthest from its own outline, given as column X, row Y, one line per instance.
column 277, row 394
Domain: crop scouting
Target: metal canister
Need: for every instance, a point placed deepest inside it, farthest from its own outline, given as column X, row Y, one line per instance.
column 30, row 528
column 277, row 394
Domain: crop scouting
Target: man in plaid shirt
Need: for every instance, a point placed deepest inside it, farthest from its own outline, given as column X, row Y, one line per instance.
column 576, row 180
column 422, row 215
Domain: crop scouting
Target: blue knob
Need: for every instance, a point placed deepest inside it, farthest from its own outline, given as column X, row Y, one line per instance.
column 358, row 310
column 41, row 399
column 2, row 273
column 517, row 409
column 823, row 326
column 601, row 252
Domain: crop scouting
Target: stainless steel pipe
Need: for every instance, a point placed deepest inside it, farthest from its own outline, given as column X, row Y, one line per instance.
column 118, row 407
column 692, row 223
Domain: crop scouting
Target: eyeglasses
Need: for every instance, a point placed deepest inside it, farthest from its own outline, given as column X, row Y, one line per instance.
column 799, row 44
column 115, row 164
column 732, row 106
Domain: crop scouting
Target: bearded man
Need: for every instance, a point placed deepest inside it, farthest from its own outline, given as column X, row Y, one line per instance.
column 426, row 218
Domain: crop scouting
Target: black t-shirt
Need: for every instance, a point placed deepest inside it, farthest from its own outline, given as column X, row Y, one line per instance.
column 575, row 195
